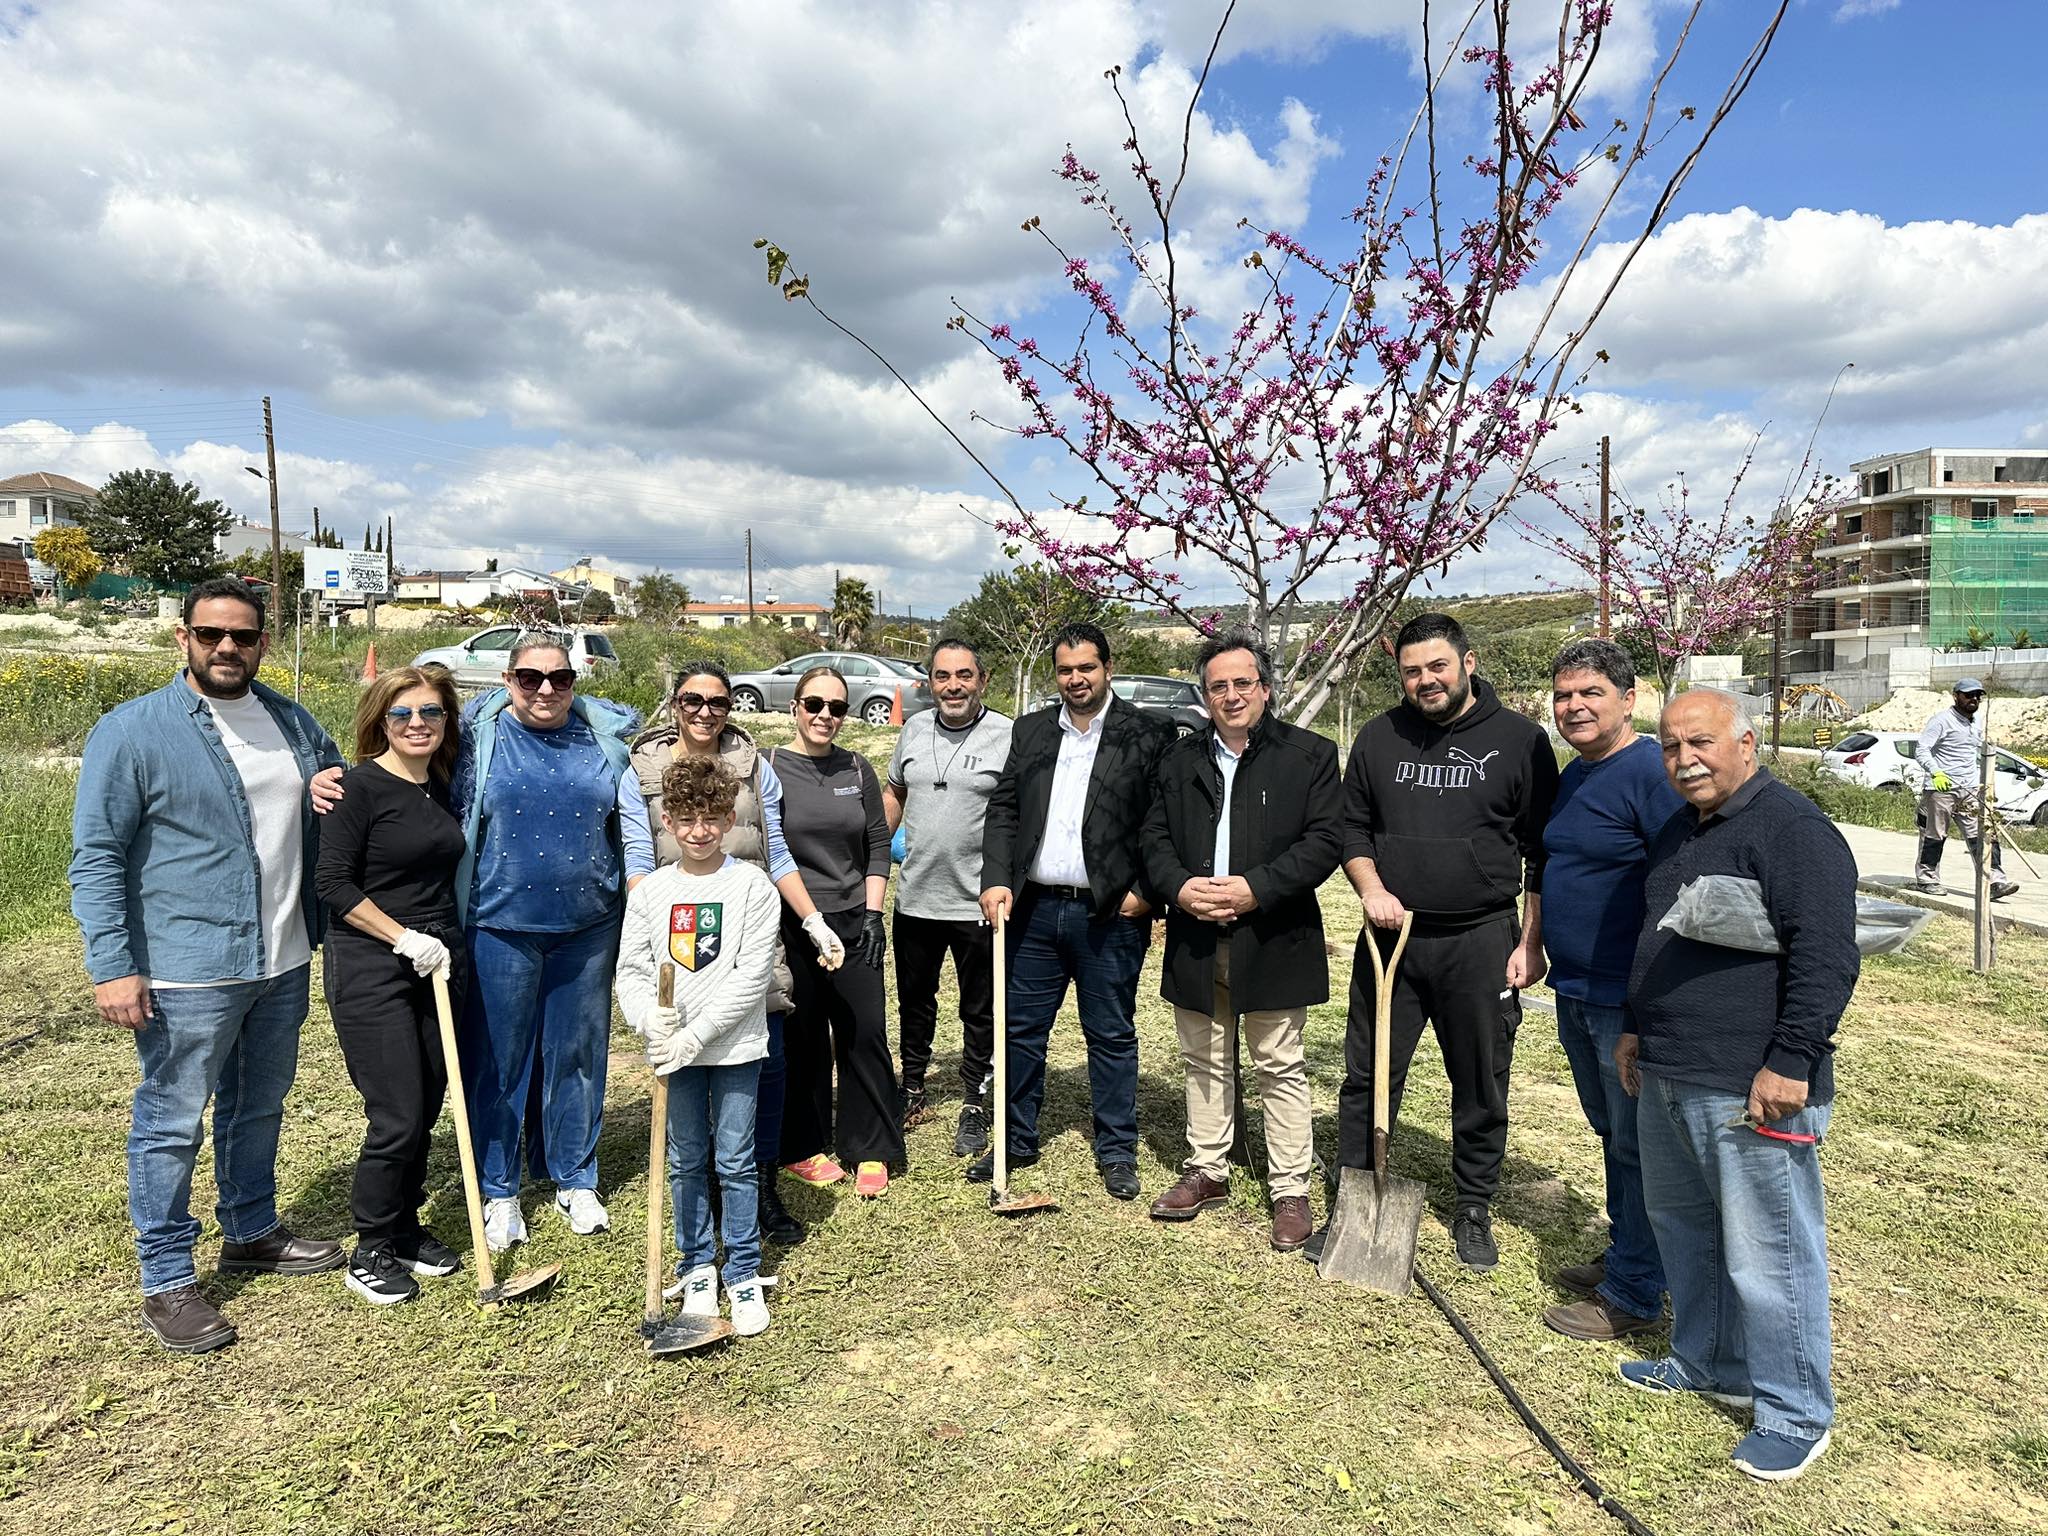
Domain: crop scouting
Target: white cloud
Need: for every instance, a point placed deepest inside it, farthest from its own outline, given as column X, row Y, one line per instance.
column 1856, row 10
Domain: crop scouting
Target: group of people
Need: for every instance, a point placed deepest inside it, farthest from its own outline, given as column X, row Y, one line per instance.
column 537, row 851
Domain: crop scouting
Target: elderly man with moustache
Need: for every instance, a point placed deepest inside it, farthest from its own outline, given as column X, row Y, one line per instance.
column 1612, row 801
column 945, row 770
column 1731, row 1052
column 1245, row 825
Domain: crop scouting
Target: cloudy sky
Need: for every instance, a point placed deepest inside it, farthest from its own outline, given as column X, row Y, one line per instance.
column 494, row 262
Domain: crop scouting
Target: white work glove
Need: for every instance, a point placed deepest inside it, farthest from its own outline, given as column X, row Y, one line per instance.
column 659, row 1023
column 831, row 953
column 670, row 1052
column 427, row 953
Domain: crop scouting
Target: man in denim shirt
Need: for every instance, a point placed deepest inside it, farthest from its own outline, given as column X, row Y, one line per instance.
column 192, row 847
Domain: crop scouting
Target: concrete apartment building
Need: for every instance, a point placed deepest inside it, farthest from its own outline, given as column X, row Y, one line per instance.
column 1941, row 548
column 32, row 502
column 729, row 614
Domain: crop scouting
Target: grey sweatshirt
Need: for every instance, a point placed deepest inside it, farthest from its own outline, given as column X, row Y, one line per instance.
column 719, row 931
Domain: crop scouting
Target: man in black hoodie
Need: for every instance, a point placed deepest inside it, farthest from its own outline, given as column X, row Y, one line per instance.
column 1445, row 798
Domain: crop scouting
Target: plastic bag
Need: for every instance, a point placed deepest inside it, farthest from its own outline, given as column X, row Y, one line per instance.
column 1728, row 910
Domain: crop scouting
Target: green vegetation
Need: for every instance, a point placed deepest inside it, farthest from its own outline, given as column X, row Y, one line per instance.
column 35, row 844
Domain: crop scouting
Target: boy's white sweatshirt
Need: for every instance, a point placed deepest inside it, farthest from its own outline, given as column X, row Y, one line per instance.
column 719, row 930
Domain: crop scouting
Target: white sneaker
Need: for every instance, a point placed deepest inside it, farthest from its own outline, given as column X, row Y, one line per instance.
column 699, row 1290
column 504, row 1223
column 749, row 1307
column 585, row 1211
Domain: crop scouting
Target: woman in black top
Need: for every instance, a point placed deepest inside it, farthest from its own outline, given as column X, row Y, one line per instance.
column 388, row 854
column 833, row 822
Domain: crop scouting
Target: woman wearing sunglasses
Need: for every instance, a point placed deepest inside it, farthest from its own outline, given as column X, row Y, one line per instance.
column 832, row 817
column 388, row 854
column 699, row 725
column 556, row 833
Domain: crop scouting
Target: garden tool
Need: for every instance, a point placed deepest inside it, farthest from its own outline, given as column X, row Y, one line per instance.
column 1000, row 1200
column 682, row 1333
column 489, row 1289
column 1377, row 1219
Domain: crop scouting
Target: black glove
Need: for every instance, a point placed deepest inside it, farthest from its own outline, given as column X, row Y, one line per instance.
column 873, row 943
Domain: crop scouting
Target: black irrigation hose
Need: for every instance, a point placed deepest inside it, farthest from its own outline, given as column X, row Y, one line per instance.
column 1563, row 1457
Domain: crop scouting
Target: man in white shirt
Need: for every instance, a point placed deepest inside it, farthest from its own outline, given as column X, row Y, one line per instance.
column 1060, row 862
column 192, row 836
column 1950, row 753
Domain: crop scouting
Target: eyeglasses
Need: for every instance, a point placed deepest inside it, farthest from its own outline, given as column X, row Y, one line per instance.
column 211, row 635
column 529, row 679
column 699, row 704
column 814, row 705
column 401, row 714
column 1224, row 686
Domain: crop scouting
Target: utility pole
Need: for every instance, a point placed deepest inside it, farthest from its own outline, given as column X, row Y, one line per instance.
column 750, row 575
column 833, row 606
column 1986, row 948
column 1606, row 533
column 276, row 534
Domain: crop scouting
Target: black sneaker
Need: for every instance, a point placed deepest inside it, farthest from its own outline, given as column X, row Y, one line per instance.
column 376, row 1275
column 1472, row 1231
column 983, row 1169
column 971, row 1138
column 425, row 1254
column 777, row 1225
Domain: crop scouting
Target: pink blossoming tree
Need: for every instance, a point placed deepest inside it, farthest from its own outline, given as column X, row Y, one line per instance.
column 1363, row 422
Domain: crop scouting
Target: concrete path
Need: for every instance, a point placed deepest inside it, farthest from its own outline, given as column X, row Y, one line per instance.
column 1884, row 867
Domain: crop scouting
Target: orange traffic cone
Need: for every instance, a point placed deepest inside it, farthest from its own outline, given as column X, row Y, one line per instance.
column 896, row 706
column 370, row 664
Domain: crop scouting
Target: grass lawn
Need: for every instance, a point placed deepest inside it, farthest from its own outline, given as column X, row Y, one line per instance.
column 932, row 1369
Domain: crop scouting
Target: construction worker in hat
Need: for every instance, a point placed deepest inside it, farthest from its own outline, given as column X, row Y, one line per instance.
column 1951, row 751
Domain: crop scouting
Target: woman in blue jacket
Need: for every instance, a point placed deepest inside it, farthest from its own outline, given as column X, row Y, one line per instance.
column 556, row 834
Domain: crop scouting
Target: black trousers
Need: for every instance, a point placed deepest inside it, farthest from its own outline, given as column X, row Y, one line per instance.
column 922, row 944
column 384, row 1017
column 838, row 1018
column 1456, row 980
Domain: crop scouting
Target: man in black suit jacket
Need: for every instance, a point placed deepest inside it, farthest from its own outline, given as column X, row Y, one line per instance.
column 1060, row 856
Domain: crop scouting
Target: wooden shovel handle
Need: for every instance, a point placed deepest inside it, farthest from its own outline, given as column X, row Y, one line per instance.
column 472, row 1188
column 657, row 1153
column 1000, row 1127
column 1383, row 973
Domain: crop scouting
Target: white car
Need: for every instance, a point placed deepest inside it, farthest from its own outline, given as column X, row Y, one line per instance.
column 1887, row 760
column 481, row 660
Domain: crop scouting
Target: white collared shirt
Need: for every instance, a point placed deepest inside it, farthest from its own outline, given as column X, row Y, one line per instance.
column 1060, row 861
column 1226, row 762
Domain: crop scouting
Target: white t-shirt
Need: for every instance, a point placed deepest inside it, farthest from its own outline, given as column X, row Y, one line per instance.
column 276, row 790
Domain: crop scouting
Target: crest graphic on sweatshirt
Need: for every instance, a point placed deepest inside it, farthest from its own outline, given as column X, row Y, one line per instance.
column 695, row 933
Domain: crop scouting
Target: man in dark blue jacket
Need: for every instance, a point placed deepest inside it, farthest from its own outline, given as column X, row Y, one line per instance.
column 1732, row 1056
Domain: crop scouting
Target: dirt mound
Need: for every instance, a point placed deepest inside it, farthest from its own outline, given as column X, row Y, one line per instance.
column 2021, row 723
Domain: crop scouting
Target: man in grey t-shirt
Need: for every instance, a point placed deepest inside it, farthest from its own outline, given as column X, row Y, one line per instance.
column 1950, row 755
column 946, row 764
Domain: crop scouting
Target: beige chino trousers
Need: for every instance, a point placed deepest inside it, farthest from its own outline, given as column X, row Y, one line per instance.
column 1273, row 1037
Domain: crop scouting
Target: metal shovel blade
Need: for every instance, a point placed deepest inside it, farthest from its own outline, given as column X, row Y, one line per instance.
column 682, row 1333
column 1020, row 1202
column 525, row 1283
column 1373, row 1231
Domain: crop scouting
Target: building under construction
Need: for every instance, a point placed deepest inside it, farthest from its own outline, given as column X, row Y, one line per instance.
column 1942, row 547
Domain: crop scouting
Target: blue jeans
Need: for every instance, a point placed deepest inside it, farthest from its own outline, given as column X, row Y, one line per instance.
column 711, row 1117
column 239, row 1046
column 768, row 1103
column 1740, row 1222
column 537, row 1024
column 1635, row 1277
column 1056, row 940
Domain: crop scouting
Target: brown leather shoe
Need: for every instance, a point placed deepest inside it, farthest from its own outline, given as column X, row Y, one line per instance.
column 280, row 1253
column 1583, row 1279
column 1195, row 1193
column 1291, row 1223
column 186, row 1321
column 1596, row 1321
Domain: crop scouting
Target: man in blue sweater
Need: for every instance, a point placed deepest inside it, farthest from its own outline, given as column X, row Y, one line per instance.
column 1732, row 1056
column 1611, row 802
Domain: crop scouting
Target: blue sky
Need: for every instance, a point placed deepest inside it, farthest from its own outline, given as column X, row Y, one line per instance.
column 497, row 276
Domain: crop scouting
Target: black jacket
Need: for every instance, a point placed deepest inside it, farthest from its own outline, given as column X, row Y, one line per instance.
column 1451, row 815
column 1119, row 791
column 1286, row 828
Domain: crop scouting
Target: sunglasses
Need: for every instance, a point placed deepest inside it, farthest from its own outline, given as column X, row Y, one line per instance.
column 210, row 635
column 529, row 679
column 699, row 704
column 401, row 714
column 813, row 705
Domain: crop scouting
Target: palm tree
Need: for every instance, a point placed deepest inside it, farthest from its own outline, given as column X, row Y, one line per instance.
column 853, row 609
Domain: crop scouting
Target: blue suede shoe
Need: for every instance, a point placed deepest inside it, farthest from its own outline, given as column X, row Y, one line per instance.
column 1664, row 1378
column 1770, row 1457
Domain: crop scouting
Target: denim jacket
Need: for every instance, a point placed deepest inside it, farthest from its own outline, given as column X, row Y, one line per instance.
column 164, row 880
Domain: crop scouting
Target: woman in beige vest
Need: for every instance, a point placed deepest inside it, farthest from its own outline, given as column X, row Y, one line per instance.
column 696, row 724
